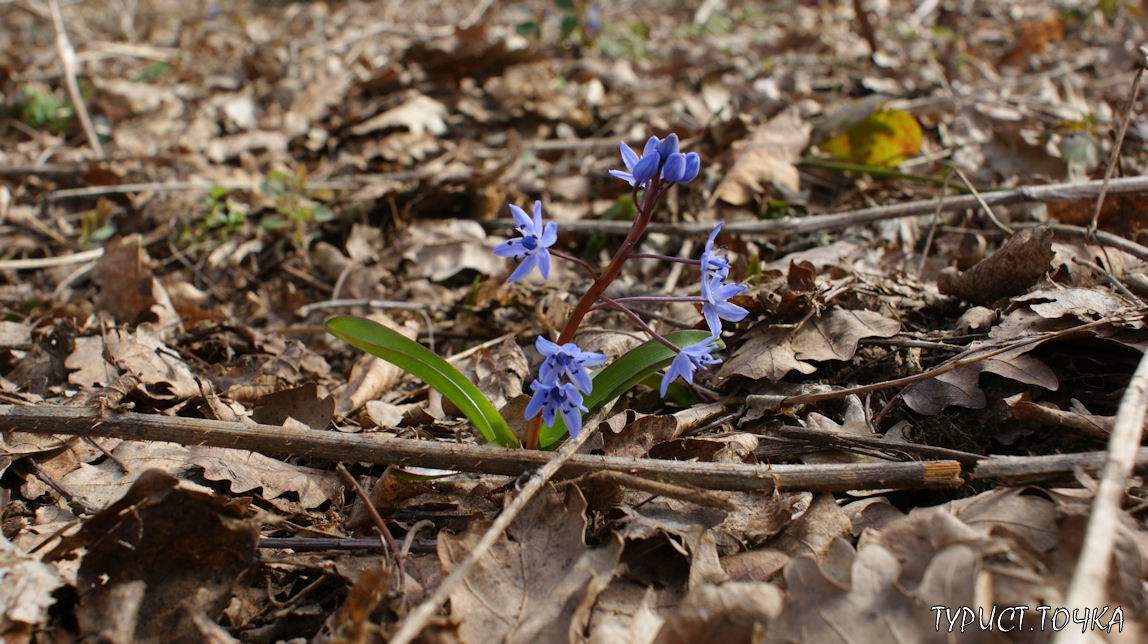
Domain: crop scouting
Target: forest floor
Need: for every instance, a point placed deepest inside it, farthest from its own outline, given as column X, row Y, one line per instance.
column 936, row 208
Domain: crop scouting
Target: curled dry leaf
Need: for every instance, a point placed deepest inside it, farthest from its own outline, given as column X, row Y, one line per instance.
column 144, row 558
column 26, row 592
column 766, row 159
column 771, row 352
column 1014, row 267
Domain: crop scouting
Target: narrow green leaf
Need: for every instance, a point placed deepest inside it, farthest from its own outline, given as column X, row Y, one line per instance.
column 415, row 359
column 623, row 373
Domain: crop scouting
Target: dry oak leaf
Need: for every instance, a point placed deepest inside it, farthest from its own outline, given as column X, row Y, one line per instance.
column 767, row 157
column 961, row 386
column 155, row 558
column 530, row 584
column 26, row 587
column 771, row 352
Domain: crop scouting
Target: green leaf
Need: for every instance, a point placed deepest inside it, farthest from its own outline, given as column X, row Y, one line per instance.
column 413, row 358
column 565, row 5
column 623, row 373
column 528, row 28
column 568, row 25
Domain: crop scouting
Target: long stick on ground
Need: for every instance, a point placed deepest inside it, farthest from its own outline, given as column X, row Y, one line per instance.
column 1090, row 579
column 374, row 448
column 796, row 225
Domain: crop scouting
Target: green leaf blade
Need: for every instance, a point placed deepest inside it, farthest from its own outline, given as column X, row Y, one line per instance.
column 439, row 374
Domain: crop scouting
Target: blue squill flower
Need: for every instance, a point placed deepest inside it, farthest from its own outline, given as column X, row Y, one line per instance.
column 567, row 360
column 689, row 360
column 531, row 248
column 715, row 308
column 552, row 398
column 640, row 169
column 677, row 167
column 713, row 264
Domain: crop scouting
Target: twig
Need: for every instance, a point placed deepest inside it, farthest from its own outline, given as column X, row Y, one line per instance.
column 51, row 262
column 981, row 200
column 384, row 532
column 417, row 620
column 378, row 449
column 797, row 225
column 1091, row 575
column 1114, row 157
column 68, row 59
column 1103, row 237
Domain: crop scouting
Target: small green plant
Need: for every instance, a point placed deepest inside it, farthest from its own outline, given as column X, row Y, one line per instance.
column 568, row 388
column 40, row 109
column 221, row 216
column 95, row 224
column 296, row 205
column 153, row 72
column 578, row 19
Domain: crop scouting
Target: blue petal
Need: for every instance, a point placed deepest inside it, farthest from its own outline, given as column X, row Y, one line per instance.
column 537, row 227
column 510, row 248
column 521, row 219
column 549, row 235
column 546, row 347
column 668, row 145
column 651, row 146
column 693, row 164
column 626, row 176
column 543, row 259
column 674, row 167
column 629, row 157
column 646, row 168
column 524, row 268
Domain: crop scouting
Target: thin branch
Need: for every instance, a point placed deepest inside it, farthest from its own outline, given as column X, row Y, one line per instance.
column 68, row 59
column 798, row 225
column 981, row 200
column 1115, row 156
column 51, row 262
column 282, row 442
column 1089, row 581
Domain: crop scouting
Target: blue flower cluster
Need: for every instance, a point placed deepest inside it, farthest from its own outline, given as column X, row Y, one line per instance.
column 563, row 379
column 658, row 153
column 551, row 395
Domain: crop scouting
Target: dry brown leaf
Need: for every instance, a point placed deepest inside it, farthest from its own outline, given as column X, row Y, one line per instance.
column 26, row 592
column 529, row 584
column 854, row 424
column 301, row 403
column 158, row 368
column 418, row 113
column 1048, row 415
column 1011, row 270
column 727, row 613
column 811, row 534
column 1086, row 303
column 873, row 608
column 961, row 386
column 98, row 485
column 767, row 158
column 145, row 558
column 772, row 352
